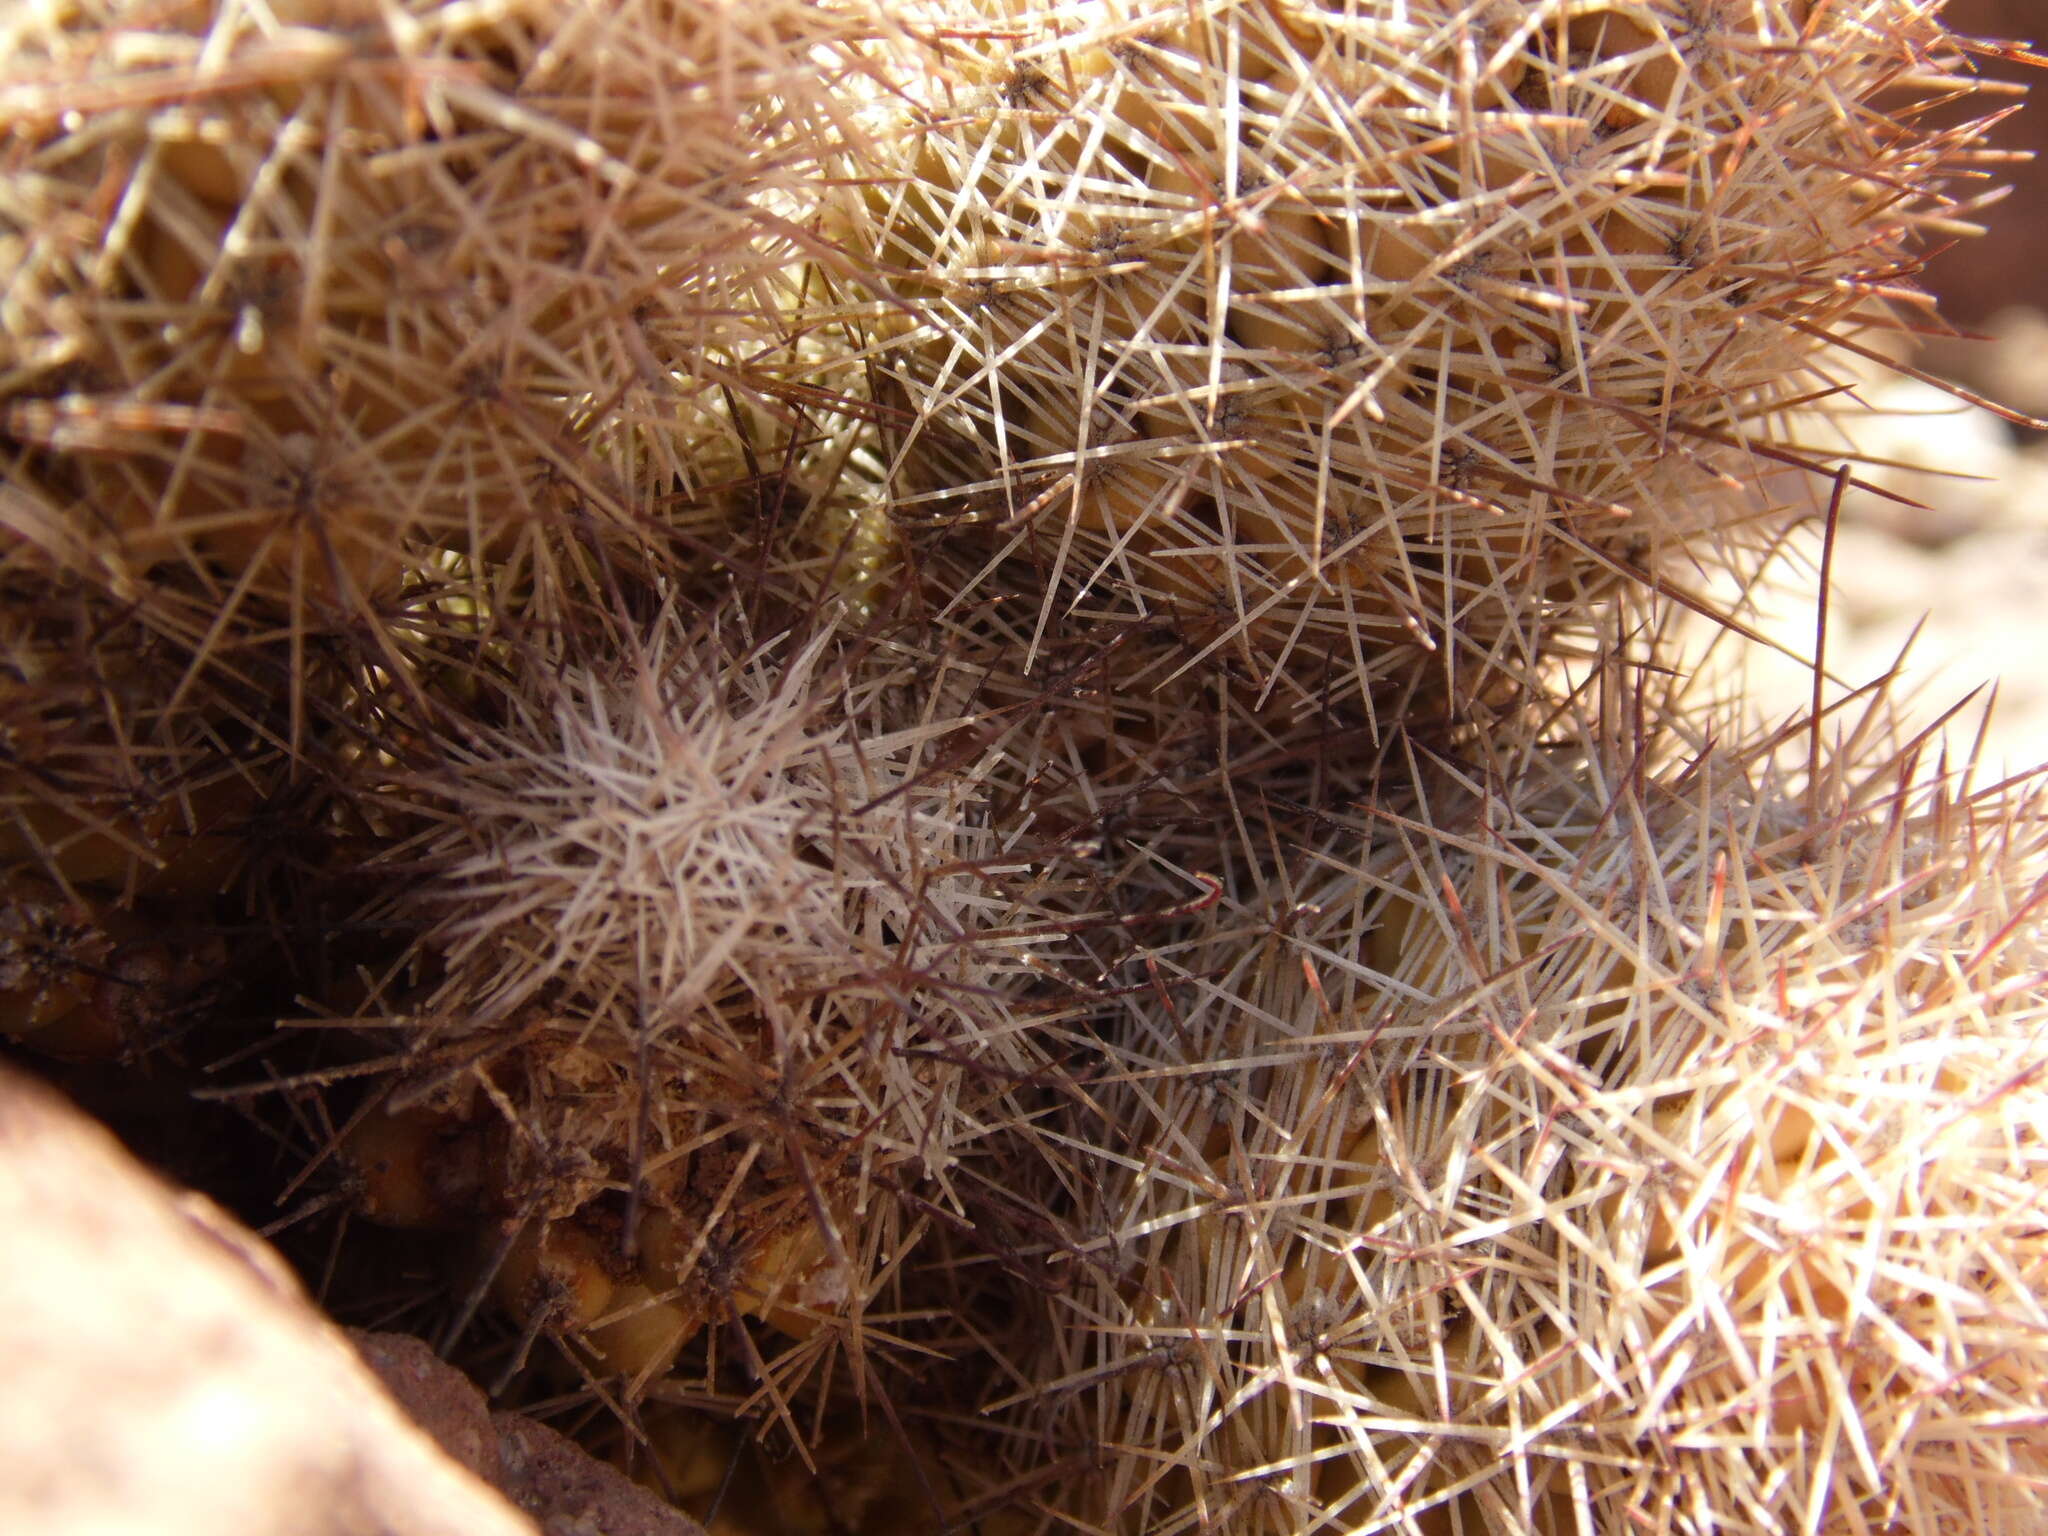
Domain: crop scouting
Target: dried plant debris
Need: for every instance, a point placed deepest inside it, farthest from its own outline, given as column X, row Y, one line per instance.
column 1387, row 328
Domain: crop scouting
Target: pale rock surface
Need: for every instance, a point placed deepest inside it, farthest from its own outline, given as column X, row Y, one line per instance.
column 557, row 1482
column 165, row 1375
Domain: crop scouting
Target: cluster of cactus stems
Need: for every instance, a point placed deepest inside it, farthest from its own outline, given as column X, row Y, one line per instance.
column 944, row 737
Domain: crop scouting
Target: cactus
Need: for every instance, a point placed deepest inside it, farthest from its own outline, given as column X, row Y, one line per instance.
column 725, row 961
column 951, row 678
column 305, row 292
column 1643, row 1136
column 1348, row 331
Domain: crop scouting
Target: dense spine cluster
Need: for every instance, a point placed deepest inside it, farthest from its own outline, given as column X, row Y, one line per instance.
column 949, row 733
column 724, row 960
column 300, row 294
column 1393, row 333
column 1650, row 1140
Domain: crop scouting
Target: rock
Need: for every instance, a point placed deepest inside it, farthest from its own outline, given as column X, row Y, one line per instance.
column 571, row 1494
column 1976, row 277
column 2010, row 366
column 562, row 1486
column 167, row 1376
column 440, row 1399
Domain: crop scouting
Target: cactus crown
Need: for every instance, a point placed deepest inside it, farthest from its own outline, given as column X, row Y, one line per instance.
column 1360, row 328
